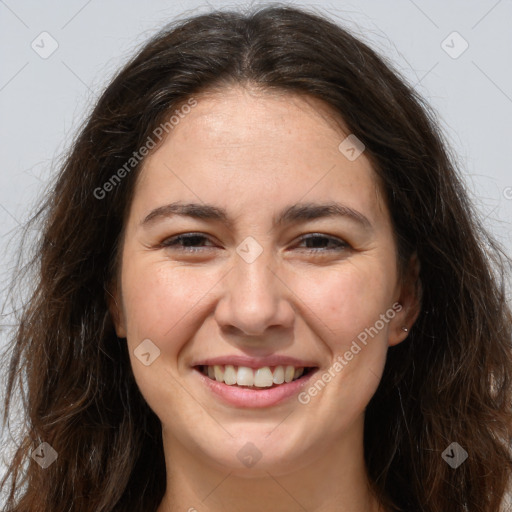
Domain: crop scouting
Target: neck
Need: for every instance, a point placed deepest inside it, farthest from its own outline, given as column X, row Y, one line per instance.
column 335, row 481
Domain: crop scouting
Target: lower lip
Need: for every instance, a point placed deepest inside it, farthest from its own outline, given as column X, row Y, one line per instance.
column 255, row 398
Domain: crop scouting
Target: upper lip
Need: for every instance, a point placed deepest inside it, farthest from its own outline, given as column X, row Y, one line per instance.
column 256, row 362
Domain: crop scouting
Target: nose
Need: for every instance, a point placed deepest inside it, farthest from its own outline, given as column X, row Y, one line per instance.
column 254, row 298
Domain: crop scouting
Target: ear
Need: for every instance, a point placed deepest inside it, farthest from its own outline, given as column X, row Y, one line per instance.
column 409, row 301
column 114, row 303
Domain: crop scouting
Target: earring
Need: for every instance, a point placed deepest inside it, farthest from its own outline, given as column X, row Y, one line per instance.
column 405, row 329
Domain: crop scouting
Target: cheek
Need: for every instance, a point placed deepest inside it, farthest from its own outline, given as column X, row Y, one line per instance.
column 159, row 300
column 347, row 300
column 161, row 304
column 346, row 306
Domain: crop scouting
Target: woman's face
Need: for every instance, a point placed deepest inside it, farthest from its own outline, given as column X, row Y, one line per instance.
column 254, row 289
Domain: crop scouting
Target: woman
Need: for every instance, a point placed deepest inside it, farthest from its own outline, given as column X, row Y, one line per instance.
column 190, row 344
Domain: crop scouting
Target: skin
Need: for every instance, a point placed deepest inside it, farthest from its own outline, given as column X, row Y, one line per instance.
column 253, row 154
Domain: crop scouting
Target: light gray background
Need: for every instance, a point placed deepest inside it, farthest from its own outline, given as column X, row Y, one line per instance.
column 43, row 101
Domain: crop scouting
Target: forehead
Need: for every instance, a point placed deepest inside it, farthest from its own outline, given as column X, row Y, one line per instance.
column 238, row 144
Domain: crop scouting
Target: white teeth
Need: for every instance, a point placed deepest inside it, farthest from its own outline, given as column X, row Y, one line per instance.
column 278, row 375
column 229, row 375
column 298, row 373
column 219, row 373
column 245, row 376
column 263, row 377
column 289, row 373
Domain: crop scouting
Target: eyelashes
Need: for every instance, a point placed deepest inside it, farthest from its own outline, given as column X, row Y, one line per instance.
column 181, row 242
column 188, row 243
column 338, row 243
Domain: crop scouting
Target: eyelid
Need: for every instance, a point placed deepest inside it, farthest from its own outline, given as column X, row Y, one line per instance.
column 168, row 242
column 341, row 244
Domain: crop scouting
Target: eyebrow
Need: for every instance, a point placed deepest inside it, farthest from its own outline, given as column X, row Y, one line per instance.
column 292, row 214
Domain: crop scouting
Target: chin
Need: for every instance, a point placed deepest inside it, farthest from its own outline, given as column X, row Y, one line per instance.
column 258, row 453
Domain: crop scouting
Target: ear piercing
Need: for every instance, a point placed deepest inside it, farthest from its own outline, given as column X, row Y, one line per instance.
column 405, row 329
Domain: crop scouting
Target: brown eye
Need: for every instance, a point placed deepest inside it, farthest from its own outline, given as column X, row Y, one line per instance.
column 186, row 242
column 319, row 242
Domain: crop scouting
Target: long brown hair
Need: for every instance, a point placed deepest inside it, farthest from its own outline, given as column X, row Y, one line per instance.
column 450, row 381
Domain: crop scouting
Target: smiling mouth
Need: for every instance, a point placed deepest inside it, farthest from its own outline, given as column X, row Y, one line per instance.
column 267, row 377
